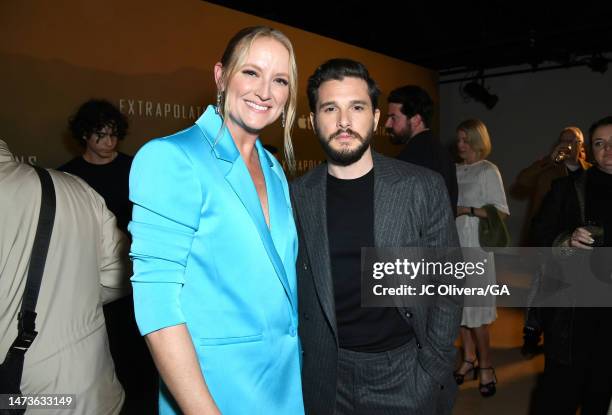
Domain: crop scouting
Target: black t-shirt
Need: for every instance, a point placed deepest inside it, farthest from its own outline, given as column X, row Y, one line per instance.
column 110, row 180
column 350, row 226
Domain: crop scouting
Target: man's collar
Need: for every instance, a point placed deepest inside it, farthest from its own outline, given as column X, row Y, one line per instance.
column 422, row 133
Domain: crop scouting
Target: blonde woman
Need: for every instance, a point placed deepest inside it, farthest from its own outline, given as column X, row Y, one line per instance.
column 214, row 244
column 480, row 184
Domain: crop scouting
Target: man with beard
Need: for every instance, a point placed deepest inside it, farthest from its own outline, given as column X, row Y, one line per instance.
column 409, row 114
column 362, row 360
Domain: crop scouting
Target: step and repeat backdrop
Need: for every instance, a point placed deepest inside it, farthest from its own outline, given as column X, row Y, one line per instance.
column 153, row 59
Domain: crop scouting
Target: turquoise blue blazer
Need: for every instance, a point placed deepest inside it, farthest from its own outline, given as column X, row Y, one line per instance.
column 204, row 256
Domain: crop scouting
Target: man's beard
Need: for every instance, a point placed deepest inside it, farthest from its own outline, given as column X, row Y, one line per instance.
column 402, row 138
column 345, row 156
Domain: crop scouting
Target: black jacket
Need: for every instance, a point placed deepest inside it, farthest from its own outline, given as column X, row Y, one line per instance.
column 425, row 149
column 410, row 209
column 570, row 334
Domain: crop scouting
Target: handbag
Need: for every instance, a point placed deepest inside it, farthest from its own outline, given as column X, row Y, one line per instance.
column 492, row 230
column 12, row 368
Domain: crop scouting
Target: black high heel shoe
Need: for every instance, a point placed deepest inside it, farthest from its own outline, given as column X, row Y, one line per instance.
column 459, row 377
column 488, row 389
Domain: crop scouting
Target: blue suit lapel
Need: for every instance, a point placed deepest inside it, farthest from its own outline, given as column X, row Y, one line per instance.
column 277, row 202
column 238, row 177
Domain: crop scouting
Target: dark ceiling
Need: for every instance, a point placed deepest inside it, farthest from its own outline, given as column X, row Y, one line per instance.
column 457, row 36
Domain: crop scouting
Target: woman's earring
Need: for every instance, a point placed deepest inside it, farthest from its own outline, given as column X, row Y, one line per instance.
column 219, row 98
column 283, row 119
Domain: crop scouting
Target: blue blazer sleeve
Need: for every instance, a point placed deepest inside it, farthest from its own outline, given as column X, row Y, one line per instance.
column 167, row 199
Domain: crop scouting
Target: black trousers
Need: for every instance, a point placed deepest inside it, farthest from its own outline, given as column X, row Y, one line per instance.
column 389, row 383
column 133, row 363
column 565, row 388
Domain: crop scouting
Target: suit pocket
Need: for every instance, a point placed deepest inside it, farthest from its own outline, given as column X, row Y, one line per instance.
column 224, row 327
column 220, row 341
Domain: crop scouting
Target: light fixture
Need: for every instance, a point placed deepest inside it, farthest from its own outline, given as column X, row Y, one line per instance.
column 478, row 92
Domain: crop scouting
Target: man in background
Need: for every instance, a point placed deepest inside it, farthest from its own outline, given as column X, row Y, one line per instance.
column 98, row 126
column 568, row 157
column 410, row 113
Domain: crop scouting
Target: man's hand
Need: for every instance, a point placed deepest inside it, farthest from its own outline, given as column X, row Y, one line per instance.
column 566, row 152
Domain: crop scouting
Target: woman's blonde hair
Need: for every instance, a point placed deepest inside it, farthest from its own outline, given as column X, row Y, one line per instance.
column 477, row 137
column 233, row 58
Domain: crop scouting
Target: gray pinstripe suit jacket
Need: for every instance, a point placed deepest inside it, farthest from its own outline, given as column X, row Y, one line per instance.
column 411, row 208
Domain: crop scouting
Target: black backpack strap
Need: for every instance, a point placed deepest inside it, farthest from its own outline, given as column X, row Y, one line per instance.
column 11, row 369
column 27, row 315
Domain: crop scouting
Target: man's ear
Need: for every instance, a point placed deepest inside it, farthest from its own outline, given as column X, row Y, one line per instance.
column 376, row 118
column 416, row 121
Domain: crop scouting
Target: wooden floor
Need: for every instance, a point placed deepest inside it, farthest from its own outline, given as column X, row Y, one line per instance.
column 516, row 376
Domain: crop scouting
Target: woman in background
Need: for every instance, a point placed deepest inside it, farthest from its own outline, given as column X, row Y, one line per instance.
column 214, row 244
column 480, row 185
column 578, row 340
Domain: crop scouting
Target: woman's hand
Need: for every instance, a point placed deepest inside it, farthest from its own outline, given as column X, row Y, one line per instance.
column 462, row 210
column 476, row 212
column 581, row 238
column 176, row 360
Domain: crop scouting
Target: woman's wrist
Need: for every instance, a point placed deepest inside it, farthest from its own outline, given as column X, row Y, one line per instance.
column 465, row 210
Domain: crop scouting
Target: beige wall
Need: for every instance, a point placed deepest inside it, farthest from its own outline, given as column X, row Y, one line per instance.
column 152, row 58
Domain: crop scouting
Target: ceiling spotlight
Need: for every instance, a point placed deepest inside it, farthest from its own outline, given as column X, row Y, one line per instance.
column 479, row 93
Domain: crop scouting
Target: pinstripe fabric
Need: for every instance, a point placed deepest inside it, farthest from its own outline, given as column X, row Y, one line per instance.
column 411, row 208
column 387, row 383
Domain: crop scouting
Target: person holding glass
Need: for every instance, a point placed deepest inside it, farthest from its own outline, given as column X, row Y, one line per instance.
column 214, row 244
column 577, row 213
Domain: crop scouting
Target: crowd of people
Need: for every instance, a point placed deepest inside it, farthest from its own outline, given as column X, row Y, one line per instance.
column 247, row 288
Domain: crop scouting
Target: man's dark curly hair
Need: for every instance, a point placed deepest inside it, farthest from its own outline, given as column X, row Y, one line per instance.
column 93, row 116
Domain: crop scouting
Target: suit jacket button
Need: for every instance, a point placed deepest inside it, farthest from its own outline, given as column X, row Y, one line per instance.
column 305, row 266
column 408, row 314
column 306, row 316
